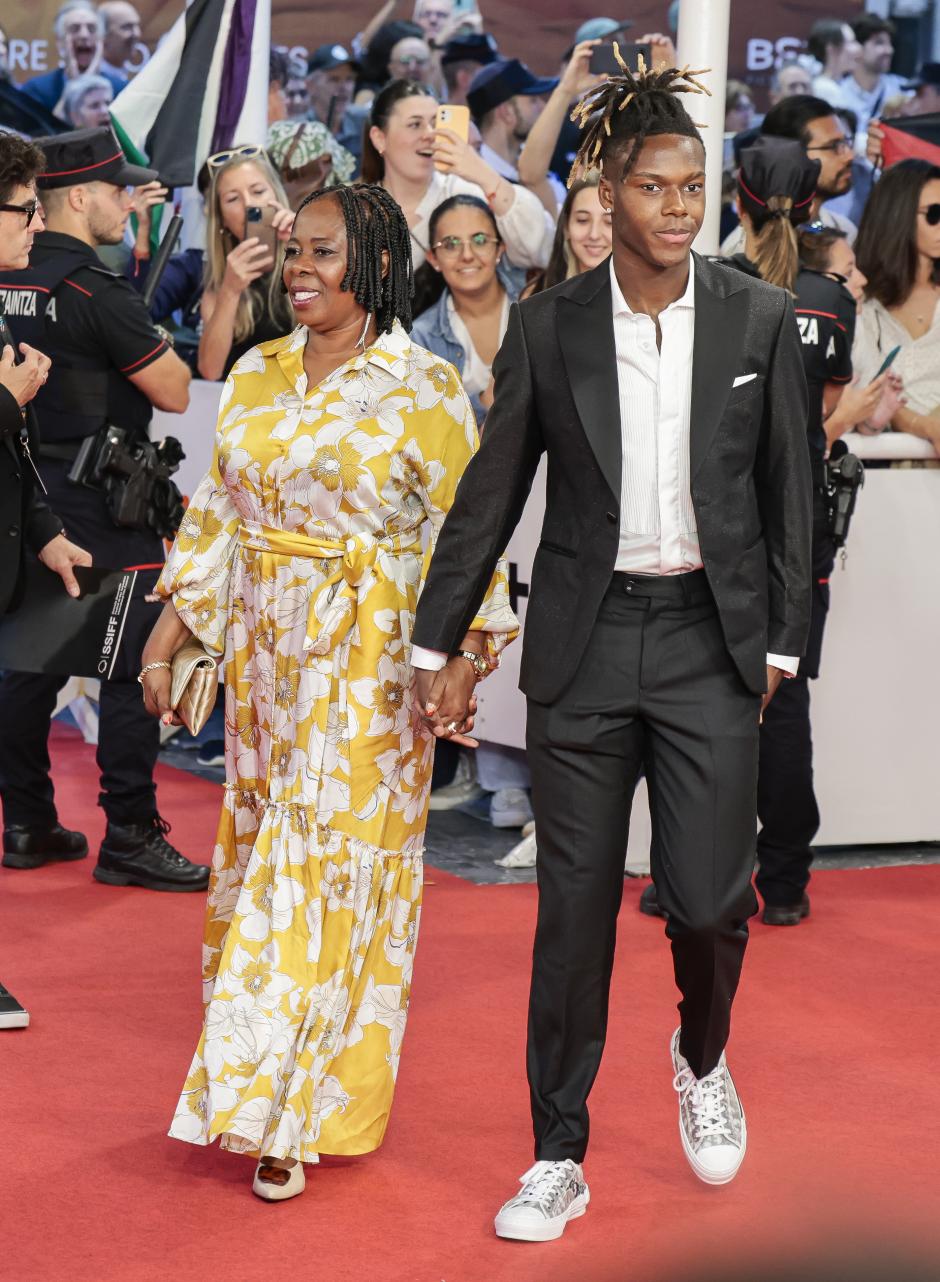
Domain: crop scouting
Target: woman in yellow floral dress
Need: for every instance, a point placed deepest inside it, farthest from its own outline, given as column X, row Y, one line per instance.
column 301, row 558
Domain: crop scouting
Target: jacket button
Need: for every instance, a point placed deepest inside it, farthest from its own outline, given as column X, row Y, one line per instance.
column 612, row 517
column 13, row 531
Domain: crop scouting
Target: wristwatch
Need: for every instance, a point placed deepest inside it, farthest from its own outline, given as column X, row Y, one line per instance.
column 478, row 663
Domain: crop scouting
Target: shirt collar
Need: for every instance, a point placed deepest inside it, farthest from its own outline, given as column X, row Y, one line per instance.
column 623, row 308
column 390, row 353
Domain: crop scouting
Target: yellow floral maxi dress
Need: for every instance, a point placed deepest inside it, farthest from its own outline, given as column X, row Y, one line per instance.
column 301, row 556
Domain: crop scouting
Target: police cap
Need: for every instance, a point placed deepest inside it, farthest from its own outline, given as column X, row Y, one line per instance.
column 88, row 155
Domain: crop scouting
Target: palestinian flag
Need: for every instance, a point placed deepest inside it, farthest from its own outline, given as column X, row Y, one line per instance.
column 204, row 89
column 912, row 138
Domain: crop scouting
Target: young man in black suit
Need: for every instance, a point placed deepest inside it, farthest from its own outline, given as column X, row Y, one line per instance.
column 669, row 596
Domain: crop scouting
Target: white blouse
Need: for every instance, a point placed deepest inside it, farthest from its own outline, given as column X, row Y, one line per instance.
column 526, row 227
column 918, row 363
column 476, row 374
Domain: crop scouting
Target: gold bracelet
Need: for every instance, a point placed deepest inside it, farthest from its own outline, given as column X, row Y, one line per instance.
column 160, row 663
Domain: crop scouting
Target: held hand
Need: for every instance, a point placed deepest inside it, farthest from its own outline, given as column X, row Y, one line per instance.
column 23, row 381
column 445, row 699
column 774, row 677
column 61, row 556
column 246, row 263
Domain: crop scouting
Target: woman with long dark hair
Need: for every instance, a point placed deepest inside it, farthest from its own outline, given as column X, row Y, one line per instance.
column 582, row 236
column 898, row 249
column 420, row 166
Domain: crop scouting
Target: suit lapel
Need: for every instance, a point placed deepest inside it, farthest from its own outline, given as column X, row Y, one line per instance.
column 720, row 328
column 586, row 335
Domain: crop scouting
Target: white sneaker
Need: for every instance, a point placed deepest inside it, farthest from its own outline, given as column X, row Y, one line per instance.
column 462, row 789
column 510, row 808
column 552, row 1194
column 711, row 1119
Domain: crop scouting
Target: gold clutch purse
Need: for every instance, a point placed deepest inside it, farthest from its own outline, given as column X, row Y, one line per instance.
column 193, row 685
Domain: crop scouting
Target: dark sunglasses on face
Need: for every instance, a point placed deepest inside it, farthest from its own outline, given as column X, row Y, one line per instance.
column 931, row 214
column 30, row 210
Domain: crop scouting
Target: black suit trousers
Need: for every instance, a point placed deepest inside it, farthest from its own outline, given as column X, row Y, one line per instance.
column 655, row 690
column 128, row 738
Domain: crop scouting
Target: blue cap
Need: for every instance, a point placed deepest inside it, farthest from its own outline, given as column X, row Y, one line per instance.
column 502, row 80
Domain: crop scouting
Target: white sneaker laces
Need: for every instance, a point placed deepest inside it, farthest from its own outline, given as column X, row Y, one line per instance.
column 709, row 1102
column 543, row 1183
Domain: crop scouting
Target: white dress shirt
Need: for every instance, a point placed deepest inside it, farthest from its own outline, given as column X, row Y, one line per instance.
column 658, row 534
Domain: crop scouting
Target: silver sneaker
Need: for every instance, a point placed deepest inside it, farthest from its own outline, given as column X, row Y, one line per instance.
column 552, row 1194
column 711, row 1120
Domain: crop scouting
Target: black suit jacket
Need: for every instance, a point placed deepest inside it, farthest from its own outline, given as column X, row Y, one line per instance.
column 26, row 521
column 556, row 391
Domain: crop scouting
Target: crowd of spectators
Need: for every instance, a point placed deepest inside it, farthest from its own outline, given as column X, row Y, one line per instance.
column 490, row 214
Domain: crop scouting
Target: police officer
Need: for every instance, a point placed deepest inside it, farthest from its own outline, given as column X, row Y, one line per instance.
column 28, row 526
column 110, row 366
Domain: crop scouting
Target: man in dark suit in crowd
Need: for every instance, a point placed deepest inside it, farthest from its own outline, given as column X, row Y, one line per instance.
column 27, row 525
column 670, row 594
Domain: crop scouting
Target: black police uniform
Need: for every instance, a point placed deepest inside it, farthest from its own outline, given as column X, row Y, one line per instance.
column 96, row 330
column 786, row 801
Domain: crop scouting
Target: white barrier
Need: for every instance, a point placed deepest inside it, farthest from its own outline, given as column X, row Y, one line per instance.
column 877, row 704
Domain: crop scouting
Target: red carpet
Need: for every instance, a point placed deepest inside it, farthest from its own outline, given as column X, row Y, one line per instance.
column 836, row 1044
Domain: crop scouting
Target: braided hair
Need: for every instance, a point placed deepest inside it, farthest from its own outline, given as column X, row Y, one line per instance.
column 374, row 222
column 629, row 109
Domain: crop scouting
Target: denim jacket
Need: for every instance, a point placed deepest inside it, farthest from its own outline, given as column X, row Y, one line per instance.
column 433, row 330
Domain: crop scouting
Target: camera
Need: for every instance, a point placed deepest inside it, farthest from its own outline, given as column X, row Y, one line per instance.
column 135, row 478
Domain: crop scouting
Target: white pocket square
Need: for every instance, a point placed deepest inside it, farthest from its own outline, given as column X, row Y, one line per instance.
column 742, row 379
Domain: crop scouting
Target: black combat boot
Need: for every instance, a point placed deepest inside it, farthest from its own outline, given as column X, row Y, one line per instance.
column 140, row 855
column 31, row 846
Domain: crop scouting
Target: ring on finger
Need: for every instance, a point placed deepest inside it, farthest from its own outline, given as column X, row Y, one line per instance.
column 451, row 727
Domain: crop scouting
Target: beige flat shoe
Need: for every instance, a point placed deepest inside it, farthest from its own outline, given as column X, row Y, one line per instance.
column 270, row 1191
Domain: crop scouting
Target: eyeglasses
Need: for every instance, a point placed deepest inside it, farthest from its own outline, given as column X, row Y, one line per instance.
column 838, row 145
column 931, row 213
column 245, row 152
column 479, row 243
column 29, row 210
column 414, row 60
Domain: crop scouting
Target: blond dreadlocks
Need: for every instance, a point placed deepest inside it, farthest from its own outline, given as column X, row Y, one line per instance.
column 634, row 106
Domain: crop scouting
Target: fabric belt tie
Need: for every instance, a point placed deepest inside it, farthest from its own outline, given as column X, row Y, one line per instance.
column 348, row 572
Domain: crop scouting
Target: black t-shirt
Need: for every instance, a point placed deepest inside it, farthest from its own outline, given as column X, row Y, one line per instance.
column 825, row 313
column 99, row 314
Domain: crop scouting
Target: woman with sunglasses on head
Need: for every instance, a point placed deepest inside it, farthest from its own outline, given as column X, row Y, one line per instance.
column 338, row 447
column 898, row 249
column 582, row 236
column 229, row 296
column 243, row 302
column 421, row 166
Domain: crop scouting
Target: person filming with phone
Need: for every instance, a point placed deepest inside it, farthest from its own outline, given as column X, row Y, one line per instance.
column 111, row 486
column 419, row 153
column 248, row 225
